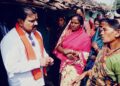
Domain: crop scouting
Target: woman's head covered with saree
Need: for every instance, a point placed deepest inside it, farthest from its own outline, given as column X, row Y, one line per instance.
column 74, row 24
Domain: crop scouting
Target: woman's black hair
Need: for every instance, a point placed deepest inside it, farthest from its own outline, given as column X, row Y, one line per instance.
column 96, row 20
column 80, row 19
column 112, row 23
column 61, row 16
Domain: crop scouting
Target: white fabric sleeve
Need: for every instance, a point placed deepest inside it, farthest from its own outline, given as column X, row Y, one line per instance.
column 45, row 54
column 14, row 57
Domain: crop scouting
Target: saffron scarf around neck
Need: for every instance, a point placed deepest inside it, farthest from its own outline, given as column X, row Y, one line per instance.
column 37, row 73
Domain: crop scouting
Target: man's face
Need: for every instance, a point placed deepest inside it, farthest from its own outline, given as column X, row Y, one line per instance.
column 107, row 33
column 30, row 23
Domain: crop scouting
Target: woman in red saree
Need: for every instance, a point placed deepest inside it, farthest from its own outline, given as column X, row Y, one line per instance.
column 72, row 49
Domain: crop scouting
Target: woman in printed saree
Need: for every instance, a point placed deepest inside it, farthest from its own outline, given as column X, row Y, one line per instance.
column 106, row 70
column 73, row 49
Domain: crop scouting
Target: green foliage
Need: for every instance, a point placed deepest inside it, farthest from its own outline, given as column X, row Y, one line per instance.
column 117, row 4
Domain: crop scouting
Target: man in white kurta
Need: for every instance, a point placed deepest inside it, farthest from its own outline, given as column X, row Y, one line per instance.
column 14, row 56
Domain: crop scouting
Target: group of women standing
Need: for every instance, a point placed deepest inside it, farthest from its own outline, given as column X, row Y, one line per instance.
column 74, row 47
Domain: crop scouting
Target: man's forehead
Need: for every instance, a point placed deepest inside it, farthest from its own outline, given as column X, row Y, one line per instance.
column 33, row 16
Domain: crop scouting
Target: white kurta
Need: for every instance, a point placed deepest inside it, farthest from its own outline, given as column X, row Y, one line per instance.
column 16, row 63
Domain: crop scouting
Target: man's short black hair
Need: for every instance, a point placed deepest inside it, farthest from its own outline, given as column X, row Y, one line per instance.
column 26, row 10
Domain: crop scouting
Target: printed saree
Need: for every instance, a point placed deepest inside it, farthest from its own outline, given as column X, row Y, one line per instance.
column 106, row 71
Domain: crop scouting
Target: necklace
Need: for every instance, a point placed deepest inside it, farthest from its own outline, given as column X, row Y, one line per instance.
column 109, row 52
column 106, row 53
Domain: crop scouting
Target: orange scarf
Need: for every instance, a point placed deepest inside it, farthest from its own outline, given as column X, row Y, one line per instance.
column 37, row 73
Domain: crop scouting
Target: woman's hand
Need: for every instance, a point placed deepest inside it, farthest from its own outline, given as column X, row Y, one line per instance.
column 95, row 46
column 70, row 56
column 67, row 51
column 89, row 73
column 64, row 50
column 76, row 53
column 79, row 78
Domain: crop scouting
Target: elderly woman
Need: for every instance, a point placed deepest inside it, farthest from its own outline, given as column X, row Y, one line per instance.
column 106, row 70
column 73, row 49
